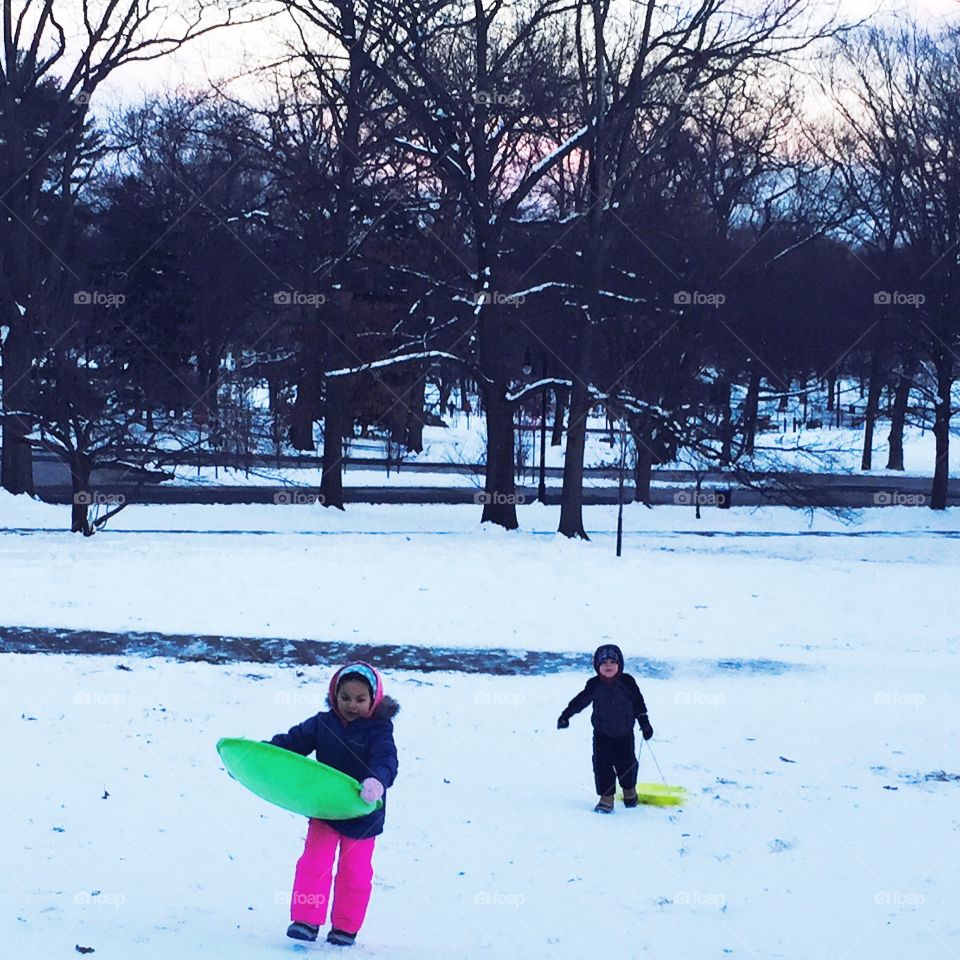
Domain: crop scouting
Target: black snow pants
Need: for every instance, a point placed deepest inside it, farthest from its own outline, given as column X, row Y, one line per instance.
column 614, row 758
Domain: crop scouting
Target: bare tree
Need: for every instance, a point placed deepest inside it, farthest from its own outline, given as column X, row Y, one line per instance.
column 55, row 55
column 637, row 89
column 468, row 79
column 900, row 99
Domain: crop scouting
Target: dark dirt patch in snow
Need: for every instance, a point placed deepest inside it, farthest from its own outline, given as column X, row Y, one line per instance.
column 500, row 661
column 936, row 776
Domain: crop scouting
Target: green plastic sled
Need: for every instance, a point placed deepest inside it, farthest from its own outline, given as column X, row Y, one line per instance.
column 293, row 782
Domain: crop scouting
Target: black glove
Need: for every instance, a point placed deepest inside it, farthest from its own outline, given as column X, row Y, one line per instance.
column 563, row 723
column 645, row 727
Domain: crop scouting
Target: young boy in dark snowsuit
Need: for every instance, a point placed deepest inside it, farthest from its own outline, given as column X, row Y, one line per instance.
column 617, row 705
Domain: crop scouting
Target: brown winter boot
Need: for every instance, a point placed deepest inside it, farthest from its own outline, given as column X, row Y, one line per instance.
column 630, row 797
column 604, row 804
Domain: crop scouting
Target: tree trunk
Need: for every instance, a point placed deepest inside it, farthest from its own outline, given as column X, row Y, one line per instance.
column 643, row 471
column 750, row 413
column 340, row 318
column 898, row 416
column 571, row 501
column 336, row 417
column 831, row 389
column 499, row 501
column 273, row 396
column 941, row 430
column 444, row 388
column 726, row 426
column 556, row 436
column 210, row 385
column 303, row 413
column 873, row 404
column 82, row 495
column 494, row 327
column 16, row 456
column 415, row 406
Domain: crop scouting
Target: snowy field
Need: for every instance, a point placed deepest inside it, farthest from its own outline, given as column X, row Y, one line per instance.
column 810, row 710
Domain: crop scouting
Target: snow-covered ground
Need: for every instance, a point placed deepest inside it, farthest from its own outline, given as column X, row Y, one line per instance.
column 809, row 709
column 816, row 826
column 432, row 575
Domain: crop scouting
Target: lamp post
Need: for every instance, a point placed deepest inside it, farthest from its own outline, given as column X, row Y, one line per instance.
column 542, row 486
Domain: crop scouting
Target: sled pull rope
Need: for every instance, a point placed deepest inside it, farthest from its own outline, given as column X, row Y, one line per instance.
column 654, row 760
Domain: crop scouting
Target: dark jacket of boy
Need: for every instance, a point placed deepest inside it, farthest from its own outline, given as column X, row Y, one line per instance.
column 617, row 701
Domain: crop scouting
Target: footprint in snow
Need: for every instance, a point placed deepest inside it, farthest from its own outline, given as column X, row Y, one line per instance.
column 777, row 845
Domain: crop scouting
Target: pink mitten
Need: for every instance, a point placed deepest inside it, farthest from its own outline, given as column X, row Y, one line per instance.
column 371, row 790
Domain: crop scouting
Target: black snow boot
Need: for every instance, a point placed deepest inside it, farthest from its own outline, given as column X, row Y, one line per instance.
column 341, row 938
column 302, row 931
column 630, row 797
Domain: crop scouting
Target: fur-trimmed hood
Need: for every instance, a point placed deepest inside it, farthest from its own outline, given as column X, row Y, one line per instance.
column 387, row 709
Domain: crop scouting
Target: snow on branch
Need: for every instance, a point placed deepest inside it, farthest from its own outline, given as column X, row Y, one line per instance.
column 512, row 396
column 416, row 147
column 393, row 361
column 620, row 296
column 540, row 287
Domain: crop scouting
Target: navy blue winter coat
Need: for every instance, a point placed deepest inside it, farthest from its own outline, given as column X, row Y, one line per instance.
column 363, row 748
column 617, row 705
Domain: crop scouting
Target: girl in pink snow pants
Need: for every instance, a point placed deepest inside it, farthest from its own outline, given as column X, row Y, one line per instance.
column 355, row 736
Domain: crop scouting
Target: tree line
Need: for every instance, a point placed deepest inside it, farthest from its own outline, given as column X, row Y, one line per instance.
column 662, row 214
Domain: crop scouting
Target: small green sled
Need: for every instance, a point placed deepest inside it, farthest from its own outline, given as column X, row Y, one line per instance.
column 294, row 782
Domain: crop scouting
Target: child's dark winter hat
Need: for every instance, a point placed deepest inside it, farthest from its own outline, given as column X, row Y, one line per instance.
column 608, row 651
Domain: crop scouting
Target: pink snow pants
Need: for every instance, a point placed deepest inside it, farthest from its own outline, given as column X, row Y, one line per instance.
column 311, row 884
